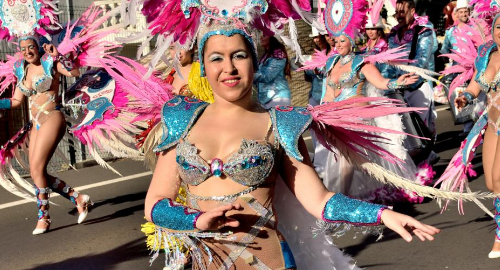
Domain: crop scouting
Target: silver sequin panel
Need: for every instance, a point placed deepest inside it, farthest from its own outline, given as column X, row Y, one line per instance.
column 249, row 166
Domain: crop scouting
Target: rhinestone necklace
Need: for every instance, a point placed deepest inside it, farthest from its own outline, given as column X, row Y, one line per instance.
column 344, row 59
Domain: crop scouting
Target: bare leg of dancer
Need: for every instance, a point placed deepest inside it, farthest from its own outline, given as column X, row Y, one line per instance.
column 491, row 160
column 43, row 143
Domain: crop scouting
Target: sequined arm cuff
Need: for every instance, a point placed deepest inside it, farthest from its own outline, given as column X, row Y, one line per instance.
column 174, row 216
column 393, row 84
column 67, row 64
column 342, row 209
column 468, row 96
column 5, row 104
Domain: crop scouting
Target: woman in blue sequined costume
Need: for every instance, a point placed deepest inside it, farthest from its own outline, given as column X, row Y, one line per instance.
column 230, row 155
column 271, row 77
column 350, row 77
column 487, row 78
column 38, row 79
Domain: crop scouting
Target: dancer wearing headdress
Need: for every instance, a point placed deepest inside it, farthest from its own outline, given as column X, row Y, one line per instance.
column 37, row 73
column 102, row 113
column 229, row 220
column 351, row 75
column 485, row 77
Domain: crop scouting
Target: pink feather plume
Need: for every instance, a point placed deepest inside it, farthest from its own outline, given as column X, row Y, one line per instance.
column 375, row 9
column 455, row 177
column 346, row 121
column 318, row 60
column 7, row 77
column 89, row 45
column 396, row 55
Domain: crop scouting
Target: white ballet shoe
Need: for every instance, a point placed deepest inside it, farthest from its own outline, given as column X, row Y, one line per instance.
column 44, row 230
column 494, row 254
column 86, row 203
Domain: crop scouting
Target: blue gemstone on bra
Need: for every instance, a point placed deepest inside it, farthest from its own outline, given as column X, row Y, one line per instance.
column 216, row 167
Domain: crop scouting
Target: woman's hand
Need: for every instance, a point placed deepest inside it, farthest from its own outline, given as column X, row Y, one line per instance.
column 403, row 225
column 460, row 102
column 407, row 79
column 50, row 50
column 216, row 219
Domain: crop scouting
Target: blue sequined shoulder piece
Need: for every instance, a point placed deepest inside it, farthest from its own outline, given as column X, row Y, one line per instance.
column 289, row 124
column 483, row 56
column 47, row 64
column 357, row 63
column 331, row 62
column 178, row 115
column 19, row 70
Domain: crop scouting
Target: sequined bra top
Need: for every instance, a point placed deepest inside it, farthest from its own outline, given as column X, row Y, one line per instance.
column 487, row 86
column 250, row 165
column 481, row 64
column 41, row 82
column 348, row 82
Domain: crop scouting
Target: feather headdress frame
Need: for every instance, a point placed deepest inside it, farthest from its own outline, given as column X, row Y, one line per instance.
column 346, row 17
column 28, row 17
column 183, row 21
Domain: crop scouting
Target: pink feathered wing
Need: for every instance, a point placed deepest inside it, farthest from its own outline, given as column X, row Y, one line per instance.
column 346, row 122
column 7, row 77
column 318, row 60
column 89, row 46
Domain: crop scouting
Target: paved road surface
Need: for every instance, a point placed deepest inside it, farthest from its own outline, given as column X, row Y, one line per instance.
column 111, row 238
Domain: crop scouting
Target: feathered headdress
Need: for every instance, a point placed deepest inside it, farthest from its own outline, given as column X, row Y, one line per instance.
column 28, row 18
column 183, row 21
column 346, row 17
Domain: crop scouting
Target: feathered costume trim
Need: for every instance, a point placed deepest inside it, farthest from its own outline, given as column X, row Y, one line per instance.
column 7, row 77
column 171, row 24
column 454, row 177
column 113, row 132
column 341, row 125
column 468, row 39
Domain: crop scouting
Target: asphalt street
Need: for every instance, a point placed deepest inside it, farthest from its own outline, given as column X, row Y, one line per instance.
column 110, row 238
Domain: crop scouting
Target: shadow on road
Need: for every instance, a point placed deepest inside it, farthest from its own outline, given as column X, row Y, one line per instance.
column 118, row 214
column 114, row 201
column 103, row 261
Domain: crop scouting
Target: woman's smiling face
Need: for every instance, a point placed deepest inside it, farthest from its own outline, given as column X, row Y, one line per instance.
column 228, row 66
